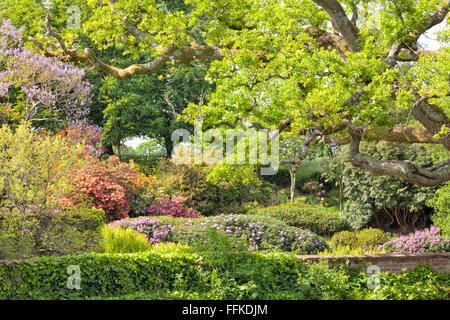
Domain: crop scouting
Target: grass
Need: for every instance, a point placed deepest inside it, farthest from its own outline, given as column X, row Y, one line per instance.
column 120, row 240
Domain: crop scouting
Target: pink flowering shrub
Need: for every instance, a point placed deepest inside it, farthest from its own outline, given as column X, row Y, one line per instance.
column 111, row 185
column 166, row 206
column 90, row 135
column 428, row 240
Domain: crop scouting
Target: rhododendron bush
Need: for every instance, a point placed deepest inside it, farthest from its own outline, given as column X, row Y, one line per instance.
column 110, row 184
column 174, row 206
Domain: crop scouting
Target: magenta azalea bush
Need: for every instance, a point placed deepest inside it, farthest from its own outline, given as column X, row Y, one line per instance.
column 428, row 240
column 166, row 206
column 154, row 230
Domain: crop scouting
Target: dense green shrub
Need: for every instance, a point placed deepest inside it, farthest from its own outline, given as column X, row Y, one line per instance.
column 239, row 184
column 386, row 202
column 212, row 191
column 145, row 164
column 366, row 239
column 184, row 274
column 44, row 231
column 260, row 233
column 304, row 216
column 422, row 283
column 441, row 205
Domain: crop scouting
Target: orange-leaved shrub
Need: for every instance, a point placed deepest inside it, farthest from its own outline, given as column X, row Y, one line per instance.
column 111, row 185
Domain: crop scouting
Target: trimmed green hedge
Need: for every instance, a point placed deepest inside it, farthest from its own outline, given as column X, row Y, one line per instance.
column 184, row 274
column 304, row 216
column 109, row 275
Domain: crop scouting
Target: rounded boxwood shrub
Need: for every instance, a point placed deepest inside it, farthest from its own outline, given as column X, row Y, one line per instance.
column 304, row 216
column 366, row 239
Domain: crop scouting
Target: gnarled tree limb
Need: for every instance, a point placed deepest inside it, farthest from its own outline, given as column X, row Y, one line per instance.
column 425, row 177
column 342, row 22
column 396, row 134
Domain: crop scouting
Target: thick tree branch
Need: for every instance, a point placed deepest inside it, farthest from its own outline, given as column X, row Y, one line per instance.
column 430, row 22
column 328, row 39
column 173, row 54
column 432, row 118
column 342, row 22
column 249, row 124
column 303, row 148
column 397, row 134
column 425, row 177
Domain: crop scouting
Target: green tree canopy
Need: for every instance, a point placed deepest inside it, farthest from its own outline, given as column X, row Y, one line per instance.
column 352, row 69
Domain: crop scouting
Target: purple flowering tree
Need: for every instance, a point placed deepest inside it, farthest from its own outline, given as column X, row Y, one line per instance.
column 39, row 88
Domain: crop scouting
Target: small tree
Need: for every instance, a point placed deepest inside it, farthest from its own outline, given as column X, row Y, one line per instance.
column 33, row 185
column 293, row 153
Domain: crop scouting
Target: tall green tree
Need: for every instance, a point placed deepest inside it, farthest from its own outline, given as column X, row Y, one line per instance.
column 150, row 105
column 335, row 66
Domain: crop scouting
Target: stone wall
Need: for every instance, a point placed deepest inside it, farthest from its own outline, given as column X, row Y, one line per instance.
column 387, row 262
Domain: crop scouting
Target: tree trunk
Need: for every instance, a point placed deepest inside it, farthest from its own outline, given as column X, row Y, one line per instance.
column 293, row 176
column 108, row 149
column 293, row 173
column 425, row 177
column 168, row 144
column 341, row 194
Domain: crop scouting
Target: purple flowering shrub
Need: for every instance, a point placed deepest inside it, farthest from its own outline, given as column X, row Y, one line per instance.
column 174, row 206
column 428, row 240
column 154, row 230
column 49, row 89
column 260, row 234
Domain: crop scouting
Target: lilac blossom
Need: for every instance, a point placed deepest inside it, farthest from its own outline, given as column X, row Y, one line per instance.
column 47, row 83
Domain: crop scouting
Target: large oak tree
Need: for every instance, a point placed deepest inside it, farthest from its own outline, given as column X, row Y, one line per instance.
column 350, row 69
